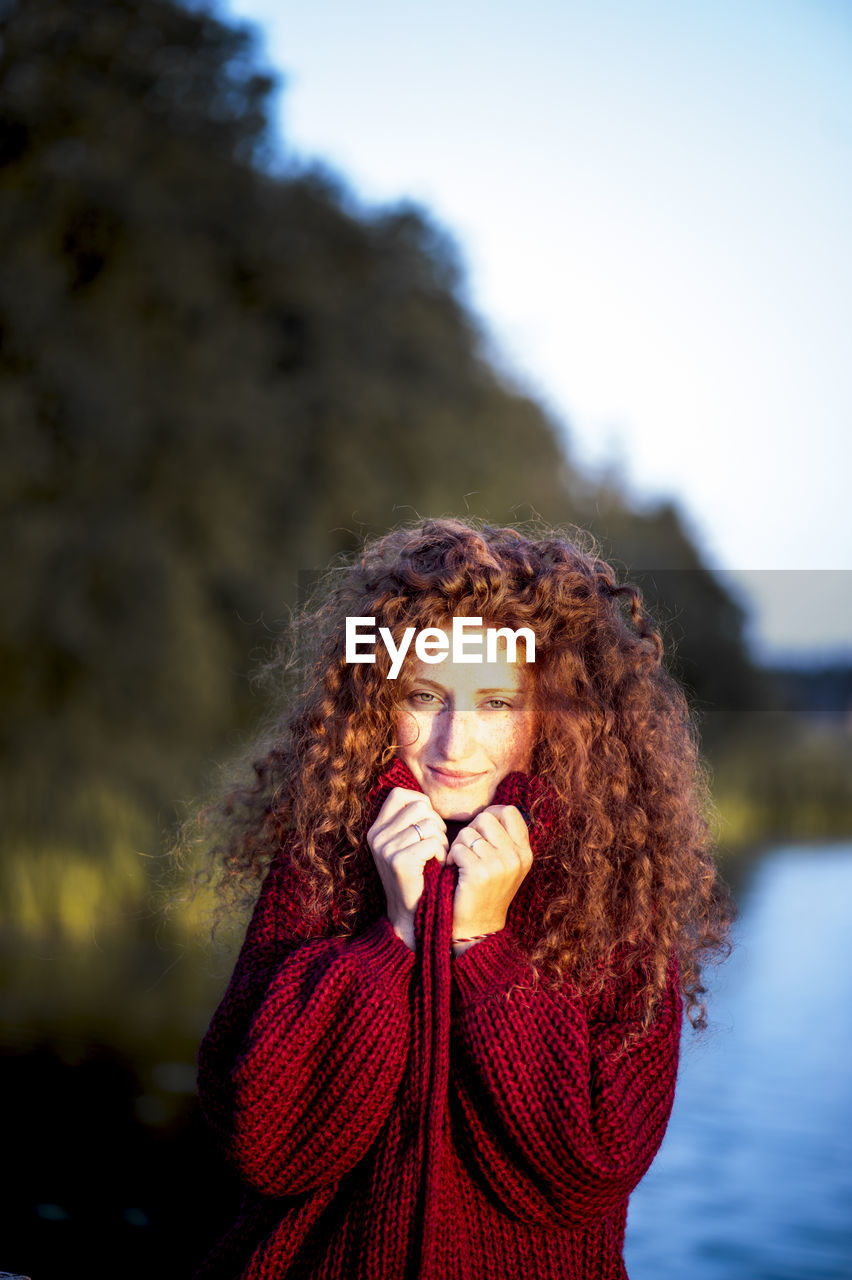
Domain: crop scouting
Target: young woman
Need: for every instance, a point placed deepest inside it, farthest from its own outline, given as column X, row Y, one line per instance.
column 450, row 1043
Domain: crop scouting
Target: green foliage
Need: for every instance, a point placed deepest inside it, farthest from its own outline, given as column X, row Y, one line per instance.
column 211, row 379
column 784, row 778
column 702, row 626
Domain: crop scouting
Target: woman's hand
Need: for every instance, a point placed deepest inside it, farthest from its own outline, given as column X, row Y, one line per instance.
column 493, row 856
column 400, row 851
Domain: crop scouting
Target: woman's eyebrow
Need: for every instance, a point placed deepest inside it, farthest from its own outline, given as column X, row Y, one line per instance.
column 433, row 684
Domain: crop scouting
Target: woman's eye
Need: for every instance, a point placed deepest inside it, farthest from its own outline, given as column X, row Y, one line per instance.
column 423, row 698
column 498, row 704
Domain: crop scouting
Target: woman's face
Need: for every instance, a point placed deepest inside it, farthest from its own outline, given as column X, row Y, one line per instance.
column 464, row 727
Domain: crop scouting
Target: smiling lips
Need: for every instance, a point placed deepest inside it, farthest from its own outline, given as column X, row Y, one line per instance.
column 452, row 778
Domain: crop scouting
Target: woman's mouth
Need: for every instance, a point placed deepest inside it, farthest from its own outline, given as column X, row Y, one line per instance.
column 454, row 777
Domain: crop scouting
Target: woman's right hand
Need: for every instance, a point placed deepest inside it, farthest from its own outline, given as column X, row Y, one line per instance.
column 400, row 853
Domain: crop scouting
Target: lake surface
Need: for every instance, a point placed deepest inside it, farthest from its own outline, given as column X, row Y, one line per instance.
column 754, row 1178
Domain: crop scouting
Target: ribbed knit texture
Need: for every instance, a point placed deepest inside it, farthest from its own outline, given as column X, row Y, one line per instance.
column 399, row 1115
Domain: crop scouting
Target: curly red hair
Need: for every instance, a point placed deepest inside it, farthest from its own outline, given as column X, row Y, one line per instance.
column 631, row 873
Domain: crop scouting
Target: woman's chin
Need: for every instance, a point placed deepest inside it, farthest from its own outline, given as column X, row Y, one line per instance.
column 454, row 806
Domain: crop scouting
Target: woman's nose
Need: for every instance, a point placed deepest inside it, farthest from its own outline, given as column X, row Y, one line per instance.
column 457, row 734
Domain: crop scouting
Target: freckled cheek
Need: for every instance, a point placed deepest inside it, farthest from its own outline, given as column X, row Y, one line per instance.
column 408, row 731
column 518, row 744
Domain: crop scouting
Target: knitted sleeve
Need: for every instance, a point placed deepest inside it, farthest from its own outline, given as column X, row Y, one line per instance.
column 303, row 1058
column 552, row 1113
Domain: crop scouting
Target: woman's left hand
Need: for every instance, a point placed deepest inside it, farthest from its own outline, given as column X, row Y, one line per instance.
column 493, row 856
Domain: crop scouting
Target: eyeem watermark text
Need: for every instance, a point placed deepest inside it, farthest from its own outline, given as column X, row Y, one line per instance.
column 433, row 644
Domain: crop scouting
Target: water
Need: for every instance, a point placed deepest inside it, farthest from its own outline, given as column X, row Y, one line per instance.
column 754, row 1178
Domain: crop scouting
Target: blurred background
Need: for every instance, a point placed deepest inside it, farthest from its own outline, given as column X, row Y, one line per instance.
column 267, row 288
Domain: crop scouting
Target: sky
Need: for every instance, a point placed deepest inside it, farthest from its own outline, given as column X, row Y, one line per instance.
column 653, row 202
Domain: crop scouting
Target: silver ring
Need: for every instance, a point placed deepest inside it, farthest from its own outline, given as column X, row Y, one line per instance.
column 475, row 842
column 417, row 829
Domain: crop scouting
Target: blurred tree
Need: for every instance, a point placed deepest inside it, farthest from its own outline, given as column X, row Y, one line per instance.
column 211, row 378
column 702, row 625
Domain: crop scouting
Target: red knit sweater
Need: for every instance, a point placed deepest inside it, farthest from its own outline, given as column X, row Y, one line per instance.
column 401, row 1114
